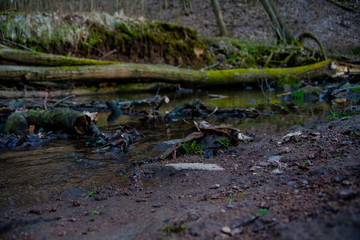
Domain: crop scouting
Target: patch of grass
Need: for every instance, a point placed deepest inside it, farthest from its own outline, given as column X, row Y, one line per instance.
column 94, row 212
column 225, row 142
column 92, row 192
column 193, row 148
column 172, row 228
column 336, row 116
column 230, row 198
column 260, row 212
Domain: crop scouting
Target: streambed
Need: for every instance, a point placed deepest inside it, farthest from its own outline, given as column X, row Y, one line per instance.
column 63, row 166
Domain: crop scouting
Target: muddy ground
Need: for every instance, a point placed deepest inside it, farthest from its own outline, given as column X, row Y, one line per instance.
column 305, row 187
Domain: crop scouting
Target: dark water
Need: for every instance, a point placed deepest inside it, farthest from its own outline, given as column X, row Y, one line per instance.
column 36, row 176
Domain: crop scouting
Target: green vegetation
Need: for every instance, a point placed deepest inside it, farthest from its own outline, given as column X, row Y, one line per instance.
column 288, row 82
column 193, row 148
column 92, row 192
column 355, row 89
column 94, row 212
column 172, row 228
column 260, row 212
column 337, row 115
column 225, row 142
column 97, row 34
column 230, row 198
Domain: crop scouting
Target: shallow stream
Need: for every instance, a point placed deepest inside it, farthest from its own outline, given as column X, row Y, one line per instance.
column 64, row 166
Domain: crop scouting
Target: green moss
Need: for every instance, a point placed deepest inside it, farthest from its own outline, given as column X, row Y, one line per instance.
column 355, row 89
column 288, row 82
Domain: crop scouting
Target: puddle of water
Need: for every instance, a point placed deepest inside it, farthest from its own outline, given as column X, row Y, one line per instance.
column 35, row 176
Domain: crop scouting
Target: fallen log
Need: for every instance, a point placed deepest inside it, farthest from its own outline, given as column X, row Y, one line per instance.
column 68, row 120
column 42, row 59
column 50, row 67
column 160, row 73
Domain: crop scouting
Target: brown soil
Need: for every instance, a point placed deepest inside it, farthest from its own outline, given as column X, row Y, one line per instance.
column 314, row 193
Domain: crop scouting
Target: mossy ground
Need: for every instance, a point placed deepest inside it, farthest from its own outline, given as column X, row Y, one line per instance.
column 103, row 36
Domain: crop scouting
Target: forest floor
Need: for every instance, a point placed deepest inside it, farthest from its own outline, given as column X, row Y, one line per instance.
column 304, row 187
column 336, row 28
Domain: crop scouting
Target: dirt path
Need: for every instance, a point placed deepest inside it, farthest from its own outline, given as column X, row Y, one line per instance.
column 305, row 188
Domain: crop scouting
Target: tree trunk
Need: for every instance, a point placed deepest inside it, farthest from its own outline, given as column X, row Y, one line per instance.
column 219, row 18
column 59, row 68
column 159, row 73
column 42, row 59
column 281, row 31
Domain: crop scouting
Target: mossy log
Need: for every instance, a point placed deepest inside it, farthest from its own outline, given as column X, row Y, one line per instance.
column 42, row 59
column 50, row 67
column 68, row 120
column 160, row 73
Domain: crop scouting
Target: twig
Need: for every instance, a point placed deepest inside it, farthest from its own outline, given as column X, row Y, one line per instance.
column 45, row 101
column 211, row 66
column 108, row 54
column 61, row 100
column 16, row 44
column 344, row 7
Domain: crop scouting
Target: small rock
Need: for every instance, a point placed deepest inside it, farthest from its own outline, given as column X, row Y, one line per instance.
column 264, row 164
column 237, row 231
column 291, row 183
column 277, row 172
column 337, row 179
column 75, row 203
column 72, row 220
column 215, row 186
column 305, row 182
column 345, row 183
column 346, row 194
column 226, row 230
column 311, row 156
column 35, row 211
column 230, row 206
column 284, row 150
column 275, row 158
column 254, row 168
column 195, row 166
column 346, row 143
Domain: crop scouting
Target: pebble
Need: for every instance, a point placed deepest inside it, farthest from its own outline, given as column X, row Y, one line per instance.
column 345, row 183
column 277, row 172
column 284, row 150
column 346, row 143
column 275, row 158
column 337, row 179
column 215, row 186
column 305, row 182
column 291, row 183
column 346, row 194
column 226, row 230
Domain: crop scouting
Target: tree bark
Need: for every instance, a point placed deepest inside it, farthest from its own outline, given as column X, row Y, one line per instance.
column 43, row 59
column 159, row 73
column 62, row 118
column 281, row 31
column 219, row 18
